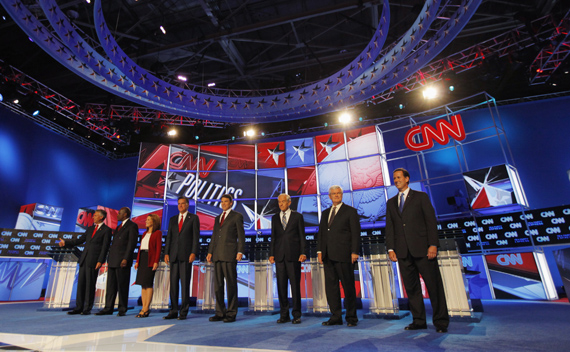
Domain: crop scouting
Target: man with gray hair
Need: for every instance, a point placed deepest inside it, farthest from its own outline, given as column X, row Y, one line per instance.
column 287, row 251
column 338, row 248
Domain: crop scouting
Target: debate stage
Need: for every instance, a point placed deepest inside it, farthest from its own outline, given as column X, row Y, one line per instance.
column 507, row 325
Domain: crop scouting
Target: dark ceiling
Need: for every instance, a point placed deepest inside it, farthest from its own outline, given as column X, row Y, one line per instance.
column 260, row 44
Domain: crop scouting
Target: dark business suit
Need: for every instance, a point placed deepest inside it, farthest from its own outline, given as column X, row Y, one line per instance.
column 337, row 244
column 227, row 241
column 286, row 247
column 179, row 246
column 409, row 235
column 95, row 251
column 118, row 278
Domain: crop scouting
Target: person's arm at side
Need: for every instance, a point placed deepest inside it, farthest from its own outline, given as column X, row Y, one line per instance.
column 355, row 235
column 241, row 237
column 154, row 257
column 389, row 235
column 131, row 245
column 272, row 241
column 212, row 244
column 431, row 226
column 138, row 258
column 105, row 247
column 320, row 237
column 302, row 241
column 195, row 238
column 167, row 242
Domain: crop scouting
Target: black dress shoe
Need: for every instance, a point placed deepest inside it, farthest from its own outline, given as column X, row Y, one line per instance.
column 104, row 312
column 283, row 320
column 297, row 321
column 229, row 319
column 181, row 317
column 74, row 312
column 216, row 318
column 332, row 322
column 121, row 314
column 353, row 324
column 171, row 316
column 86, row 312
column 441, row 330
column 414, row 326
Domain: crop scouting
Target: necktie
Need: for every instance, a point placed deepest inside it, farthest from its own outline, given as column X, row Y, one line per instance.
column 332, row 216
column 284, row 221
column 180, row 223
column 94, row 230
column 222, row 219
column 401, row 202
column 119, row 227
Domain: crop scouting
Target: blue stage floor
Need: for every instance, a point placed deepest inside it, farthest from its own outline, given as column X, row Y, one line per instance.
column 506, row 326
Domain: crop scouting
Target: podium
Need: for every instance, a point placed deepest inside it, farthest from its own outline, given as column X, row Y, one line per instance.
column 260, row 282
column 378, row 282
column 454, row 282
column 161, row 288
column 61, row 277
column 101, row 288
column 205, row 295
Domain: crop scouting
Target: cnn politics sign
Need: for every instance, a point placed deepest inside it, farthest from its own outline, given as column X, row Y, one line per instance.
column 440, row 134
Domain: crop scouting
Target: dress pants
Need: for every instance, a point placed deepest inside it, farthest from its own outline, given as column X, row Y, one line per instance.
column 227, row 271
column 118, row 280
column 411, row 268
column 180, row 275
column 345, row 272
column 86, row 284
column 289, row 271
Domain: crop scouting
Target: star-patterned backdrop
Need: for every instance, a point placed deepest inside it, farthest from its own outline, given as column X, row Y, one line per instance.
column 255, row 174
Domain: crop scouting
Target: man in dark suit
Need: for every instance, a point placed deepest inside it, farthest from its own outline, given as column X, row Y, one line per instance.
column 287, row 251
column 97, row 239
column 119, row 263
column 411, row 239
column 226, row 250
column 338, row 245
column 180, row 252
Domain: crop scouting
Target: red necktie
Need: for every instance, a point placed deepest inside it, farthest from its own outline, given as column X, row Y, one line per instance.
column 94, row 230
column 118, row 228
column 222, row 219
column 180, row 223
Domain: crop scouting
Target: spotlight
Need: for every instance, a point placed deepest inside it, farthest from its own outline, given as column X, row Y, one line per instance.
column 451, row 88
column 182, row 78
column 197, row 137
column 30, row 104
column 345, row 118
column 162, row 30
column 172, row 132
column 249, row 133
column 263, row 134
column 326, row 124
column 401, row 106
column 361, row 119
column 211, row 84
column 430, row 93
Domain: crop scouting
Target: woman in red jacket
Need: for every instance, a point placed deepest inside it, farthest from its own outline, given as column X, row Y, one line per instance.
column 147, row 261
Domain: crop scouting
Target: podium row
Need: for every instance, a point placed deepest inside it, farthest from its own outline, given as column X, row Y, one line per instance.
column 379, row 280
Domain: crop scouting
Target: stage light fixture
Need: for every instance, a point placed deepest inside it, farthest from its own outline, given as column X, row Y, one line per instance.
column 451, row 88
column 326, row 124
column 430, row 93
column 263, row 134
column 249, row 132
column 182, row 78
column 345, row 117
column 197, row 137
column 172, row 132
column 211, row 84
column 162, row 30
column 401, row 106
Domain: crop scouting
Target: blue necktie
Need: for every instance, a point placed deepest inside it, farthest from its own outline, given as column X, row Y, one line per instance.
column 401, row 202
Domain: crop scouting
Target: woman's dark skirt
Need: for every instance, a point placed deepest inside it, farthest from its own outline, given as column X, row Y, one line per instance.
column 145, row 275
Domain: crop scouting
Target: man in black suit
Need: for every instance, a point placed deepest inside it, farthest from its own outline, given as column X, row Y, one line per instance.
column 226, row 250
column 338, row 245
column 119, row 263
column 97, row 239
column 287, row 251
column 411, row 239
column 180, row 252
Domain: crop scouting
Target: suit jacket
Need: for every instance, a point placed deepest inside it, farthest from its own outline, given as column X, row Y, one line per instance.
column 179, row 245
column 154, row 248
column 343, row 237
column 229, row 239
column 415, row 229
column 96, row 247
column 123, row 245
column 289, row 243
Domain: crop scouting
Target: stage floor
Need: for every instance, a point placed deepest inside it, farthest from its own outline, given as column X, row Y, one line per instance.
column 507, row 325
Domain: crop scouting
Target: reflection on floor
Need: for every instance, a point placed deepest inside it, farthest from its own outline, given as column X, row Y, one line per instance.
column 506, row 326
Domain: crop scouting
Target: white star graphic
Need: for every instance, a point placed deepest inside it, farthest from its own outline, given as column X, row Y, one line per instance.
column 275, row 154
column 300, row 150
column 328, row 145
